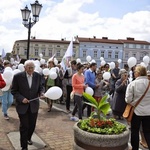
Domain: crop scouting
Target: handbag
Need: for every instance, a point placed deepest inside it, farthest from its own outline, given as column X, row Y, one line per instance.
column 129, row 110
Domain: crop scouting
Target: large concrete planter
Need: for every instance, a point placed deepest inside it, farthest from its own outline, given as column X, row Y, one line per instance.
column 90, row 141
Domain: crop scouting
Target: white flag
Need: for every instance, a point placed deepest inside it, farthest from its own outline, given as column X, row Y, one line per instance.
column 67, row 57
column 3, row 54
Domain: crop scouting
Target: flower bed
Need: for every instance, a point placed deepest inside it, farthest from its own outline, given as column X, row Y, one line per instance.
column 106, row 126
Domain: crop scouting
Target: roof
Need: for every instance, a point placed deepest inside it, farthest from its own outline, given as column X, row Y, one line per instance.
column 103, row 40
column 48, row 41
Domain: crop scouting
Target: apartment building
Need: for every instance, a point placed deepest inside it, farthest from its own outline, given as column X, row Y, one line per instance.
column 47, row 47
column 110, row 49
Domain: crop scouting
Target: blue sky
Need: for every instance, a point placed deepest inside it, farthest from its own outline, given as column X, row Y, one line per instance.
column 67, row 18
column 116, row 8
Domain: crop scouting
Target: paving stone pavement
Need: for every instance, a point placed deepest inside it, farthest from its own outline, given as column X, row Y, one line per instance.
column 54, row 127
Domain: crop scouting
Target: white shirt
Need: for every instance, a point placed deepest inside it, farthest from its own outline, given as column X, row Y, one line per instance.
column 29, row 77
column 134, row 92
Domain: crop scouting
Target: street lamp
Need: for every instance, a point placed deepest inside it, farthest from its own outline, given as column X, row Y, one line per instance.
column 36, row 8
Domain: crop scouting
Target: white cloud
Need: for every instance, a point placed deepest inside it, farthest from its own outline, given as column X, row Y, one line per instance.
column 65, row 20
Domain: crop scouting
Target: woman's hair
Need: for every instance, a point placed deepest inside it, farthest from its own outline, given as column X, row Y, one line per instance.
column 79, row 66
column 141, row 70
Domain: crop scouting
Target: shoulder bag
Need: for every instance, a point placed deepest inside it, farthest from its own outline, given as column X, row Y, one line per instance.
column 129, row 110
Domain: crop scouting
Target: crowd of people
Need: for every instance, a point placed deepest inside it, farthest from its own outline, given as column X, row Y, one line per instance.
column 124, row 86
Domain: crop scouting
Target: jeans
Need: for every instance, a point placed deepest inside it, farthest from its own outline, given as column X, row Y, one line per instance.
column 78, row 105
column 7, row 100
column 135, row 128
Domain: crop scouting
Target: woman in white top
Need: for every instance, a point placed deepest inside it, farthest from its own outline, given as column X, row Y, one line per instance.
column 141, row 113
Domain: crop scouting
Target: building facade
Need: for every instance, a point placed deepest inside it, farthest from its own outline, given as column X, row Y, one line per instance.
column 47, row 47
column 110, row 50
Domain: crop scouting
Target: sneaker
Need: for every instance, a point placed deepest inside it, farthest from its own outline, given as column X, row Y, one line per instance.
column 68, row 111
column 74, row 119
column 6, row 117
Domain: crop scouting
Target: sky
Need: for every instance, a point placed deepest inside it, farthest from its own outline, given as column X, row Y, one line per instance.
column 115, row 19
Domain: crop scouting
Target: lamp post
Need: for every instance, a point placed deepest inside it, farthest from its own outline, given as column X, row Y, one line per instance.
column 36, row 8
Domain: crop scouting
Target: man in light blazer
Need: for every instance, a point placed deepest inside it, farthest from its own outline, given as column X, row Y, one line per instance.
column 26, row 89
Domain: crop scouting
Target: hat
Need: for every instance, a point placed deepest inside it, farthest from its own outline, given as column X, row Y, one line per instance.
column 148, row 73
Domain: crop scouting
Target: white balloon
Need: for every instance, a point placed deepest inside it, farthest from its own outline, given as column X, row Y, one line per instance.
column 101, row 58
column 143, row 64
column 14, row 67
column 53, row 75
column 93, row 61
column 8, row 68
column 103, row 62
column 89, row 90
column 112, row 65
column 41, row 55
column 7, row 74
column 12, row 60
column 36, row 63
column 42, row 61
column 53, row 93
column 16, row 71
column 119, row 61
column 146, row 59
column 106, row 76
column 78, row 60
column 8, row 81
column 53, row 69
column 38, row 69
column 21, row 67
column 88, row 58
column 132, row 62
column 46, row 71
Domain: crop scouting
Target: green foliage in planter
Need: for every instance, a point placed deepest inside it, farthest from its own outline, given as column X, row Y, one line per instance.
column 102, row 107
column 106, row 126
column 97, row 122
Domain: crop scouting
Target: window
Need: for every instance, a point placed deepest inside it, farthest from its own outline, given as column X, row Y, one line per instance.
column 58, row 53
column 43, row 52
column 116, row 55
column 50, row 52
column 95, row 53
column 84, row 53
column 17, row 50
column 126, row 56
column 126, row 45
column 134, row 54
column 109, row 54
column 102, row 54
column 74, row 53
column 132, row 46
column 25, row 52
column 142, row 46
column 142, row 55
column 146, row 46
column 36, row 52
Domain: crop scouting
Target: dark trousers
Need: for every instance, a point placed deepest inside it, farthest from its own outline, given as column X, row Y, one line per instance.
column 135, row 127
column 69, row 90
column 88, row 107
column 78, row 105
column 27, row 126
